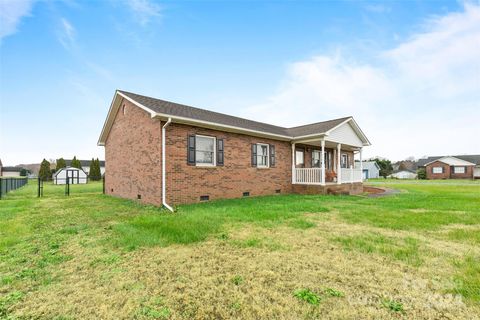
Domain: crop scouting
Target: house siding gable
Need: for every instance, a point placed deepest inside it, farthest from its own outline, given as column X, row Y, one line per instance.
column 346, row 135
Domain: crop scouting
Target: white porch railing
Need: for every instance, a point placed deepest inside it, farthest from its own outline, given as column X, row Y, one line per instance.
column 308, row 176
column 314, row 175
column 349, row 175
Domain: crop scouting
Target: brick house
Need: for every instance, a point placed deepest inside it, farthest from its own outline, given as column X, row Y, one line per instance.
column 164, row 153
column 449, row 168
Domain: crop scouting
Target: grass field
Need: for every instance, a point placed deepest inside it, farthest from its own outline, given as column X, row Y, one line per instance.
column 415, row 254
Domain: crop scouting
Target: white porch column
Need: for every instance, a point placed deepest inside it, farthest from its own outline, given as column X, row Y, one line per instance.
column 294, row 178
column 361, row 166
column 339, row 166
column 322, row 162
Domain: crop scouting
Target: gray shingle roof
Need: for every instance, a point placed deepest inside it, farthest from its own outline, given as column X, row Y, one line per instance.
column 474, row 158
column 180, row 110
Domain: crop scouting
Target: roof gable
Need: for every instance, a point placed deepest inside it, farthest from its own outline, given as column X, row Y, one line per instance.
column 345, row 132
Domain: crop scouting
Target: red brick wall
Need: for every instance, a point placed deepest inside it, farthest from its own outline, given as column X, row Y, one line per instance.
column 448, row 172
column 186, row 183
column 132, row 156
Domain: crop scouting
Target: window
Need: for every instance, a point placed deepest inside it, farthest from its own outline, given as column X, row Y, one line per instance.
column 344, row 163
column 458, row 169
column 262, row 155
column 205, row 150
column 316, row 155
column 299, row 157
column 437, row 170
column 124, row 109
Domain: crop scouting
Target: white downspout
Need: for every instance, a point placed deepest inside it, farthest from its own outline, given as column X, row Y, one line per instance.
column 164, row 183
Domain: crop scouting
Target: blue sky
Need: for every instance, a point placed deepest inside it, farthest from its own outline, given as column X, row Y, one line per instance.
column 408, row 71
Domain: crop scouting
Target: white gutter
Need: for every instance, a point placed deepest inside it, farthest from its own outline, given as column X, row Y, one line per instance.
column 164, row 183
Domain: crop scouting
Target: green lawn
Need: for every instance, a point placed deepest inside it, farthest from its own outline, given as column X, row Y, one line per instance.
column 88, row 256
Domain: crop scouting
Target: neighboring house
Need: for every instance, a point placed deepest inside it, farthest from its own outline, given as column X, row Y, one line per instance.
column 408, row 165
column 449, row 168
column 167, row 153
column 75, row 176
column 371, row 170
column 11, row 171
column 469, row 158
column 403, row 174
column 86, row 165
column 1, row 166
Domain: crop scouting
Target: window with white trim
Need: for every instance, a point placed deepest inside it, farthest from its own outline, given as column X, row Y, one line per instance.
column 437, row 170
column 458, row 169
column 204, row 150
column 262, row 155
column 299, row 159
column 316, row 155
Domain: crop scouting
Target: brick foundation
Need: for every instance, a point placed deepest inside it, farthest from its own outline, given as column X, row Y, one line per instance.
column 346, row 188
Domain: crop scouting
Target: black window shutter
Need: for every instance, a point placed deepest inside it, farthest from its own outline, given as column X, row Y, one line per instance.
column 254, row 155
column 191, row 150
column 272, row 155
column 220, row 152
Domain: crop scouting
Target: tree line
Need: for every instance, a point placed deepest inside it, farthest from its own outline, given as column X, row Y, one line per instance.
column 45, row 173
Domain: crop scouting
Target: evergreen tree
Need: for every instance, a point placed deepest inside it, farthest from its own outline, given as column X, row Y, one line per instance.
column 91, row 173
column 95, row 174
column 76, row 163
column 60, row 164
column 44, row 172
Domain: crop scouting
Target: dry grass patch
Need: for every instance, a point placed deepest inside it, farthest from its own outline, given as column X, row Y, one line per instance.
column 96, row 257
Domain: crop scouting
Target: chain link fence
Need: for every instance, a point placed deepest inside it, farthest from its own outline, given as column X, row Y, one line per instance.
column 9, row 184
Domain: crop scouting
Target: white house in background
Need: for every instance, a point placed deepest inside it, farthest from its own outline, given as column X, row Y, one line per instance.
column 371, row 169
column 86, row 165
column 75, row 176
column 403, row 174
column 11, row 171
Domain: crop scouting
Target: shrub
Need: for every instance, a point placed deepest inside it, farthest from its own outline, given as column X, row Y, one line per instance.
column 393, row 305
column 308, row 296
column 422, row 174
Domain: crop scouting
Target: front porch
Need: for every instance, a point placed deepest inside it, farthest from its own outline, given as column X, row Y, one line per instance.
column 325, row 163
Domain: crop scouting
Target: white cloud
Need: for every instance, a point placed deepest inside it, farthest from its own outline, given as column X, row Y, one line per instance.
column 11, row 13
column 422, row 97
column 378, row 8
column 144, row 10
column 67, row 34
